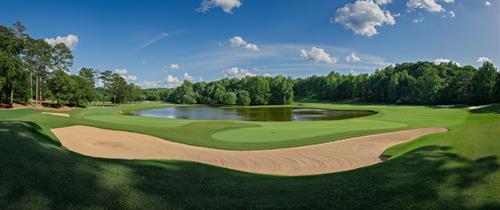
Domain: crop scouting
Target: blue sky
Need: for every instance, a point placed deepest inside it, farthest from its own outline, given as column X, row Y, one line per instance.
column 160, row 43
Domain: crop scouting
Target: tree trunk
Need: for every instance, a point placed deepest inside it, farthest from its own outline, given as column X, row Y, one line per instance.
column 31, row 87
column 11, row 96
column 40, row 89
column 36, row 89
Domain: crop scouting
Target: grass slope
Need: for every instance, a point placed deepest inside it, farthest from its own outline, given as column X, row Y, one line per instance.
column 454, row 170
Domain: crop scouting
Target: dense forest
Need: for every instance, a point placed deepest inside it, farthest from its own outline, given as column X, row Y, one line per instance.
column 408, row 83
column 257, row 90
column 32, row 70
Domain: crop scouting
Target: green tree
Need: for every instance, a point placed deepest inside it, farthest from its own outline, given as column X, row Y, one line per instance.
column 184, row 94
column 259, row 90
column 62, row 59
column 89, row 74
column 243, row 98
column 484, row 84
column 230, row 98
column 13, row 75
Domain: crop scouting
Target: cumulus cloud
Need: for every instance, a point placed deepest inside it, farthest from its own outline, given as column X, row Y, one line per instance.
column 487, row 3
column 187, row 77
column 317, row 55
column 123, row 73
column 429, row 5
column 482, row 60
column 352, row 58
column 238, row 72
column 237, row 41
column 70, row 41
column 169, row 82
column 172, row 81
column 449, row 1
column 120, row 71
column 174, row 66
column 226, row 5
column 363, row 17
column 129, row 78
column 444, row 60
column 382, row 2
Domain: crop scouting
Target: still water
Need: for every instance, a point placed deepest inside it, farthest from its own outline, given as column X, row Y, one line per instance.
column 270, row 114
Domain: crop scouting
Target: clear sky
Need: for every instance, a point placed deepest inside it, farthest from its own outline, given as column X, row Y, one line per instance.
column 160, row 43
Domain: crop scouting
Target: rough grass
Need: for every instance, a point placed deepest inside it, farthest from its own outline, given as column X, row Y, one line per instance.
column 454, row 170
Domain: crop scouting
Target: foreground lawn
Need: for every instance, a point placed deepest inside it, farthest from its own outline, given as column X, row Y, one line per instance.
column 454, row 170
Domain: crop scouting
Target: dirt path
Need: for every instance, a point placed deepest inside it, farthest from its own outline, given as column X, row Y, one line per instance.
column 56, row 114
column 329, row 157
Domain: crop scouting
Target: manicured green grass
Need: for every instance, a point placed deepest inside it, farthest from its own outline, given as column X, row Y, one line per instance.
column 454, row 170
column 238, row 135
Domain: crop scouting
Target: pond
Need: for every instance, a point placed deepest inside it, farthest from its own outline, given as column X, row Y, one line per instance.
column 270, row 114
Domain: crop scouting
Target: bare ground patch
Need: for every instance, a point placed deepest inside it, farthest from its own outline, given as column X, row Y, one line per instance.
column 328, row 157
column 56, row 114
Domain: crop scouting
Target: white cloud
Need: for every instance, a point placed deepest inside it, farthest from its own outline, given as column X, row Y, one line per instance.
column 418, row 20
column 363, row 17
column 352, row 58
column 429, row 5
column 238, row 73
column 120, row 71
column 444, row 60
column 317, row 55
column 237, row 41
column 482, row 60
column 449, row 1
column 226, row 5
column 452, row 14
column 123, row 73
column 149, row 84
column 188, row 77
column 171, row 81
column 70, row 41
column 174, row 66
column 487, row 3
column 129, row 77
column 160, row 37
column 382, row 2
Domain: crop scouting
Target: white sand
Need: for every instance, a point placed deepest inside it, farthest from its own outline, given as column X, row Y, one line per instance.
column 328, row 157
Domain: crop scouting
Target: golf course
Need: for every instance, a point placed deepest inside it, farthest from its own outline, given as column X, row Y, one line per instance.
column 449, row 170
column 242, row 104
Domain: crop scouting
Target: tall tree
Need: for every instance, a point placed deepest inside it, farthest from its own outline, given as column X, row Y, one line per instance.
column 10, row 62
column 484, row 83
column 88, row 74
column 62, row 59
column 38, row 59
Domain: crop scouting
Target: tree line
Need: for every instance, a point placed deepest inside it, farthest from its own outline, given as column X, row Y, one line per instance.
column 31, row 70
column 423, row 83
column 257, row 90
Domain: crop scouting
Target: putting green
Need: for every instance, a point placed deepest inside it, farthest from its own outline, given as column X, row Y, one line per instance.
column 287, row 131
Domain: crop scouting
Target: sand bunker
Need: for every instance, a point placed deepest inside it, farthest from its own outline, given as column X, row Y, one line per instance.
column 329, row 157
column 56, row 114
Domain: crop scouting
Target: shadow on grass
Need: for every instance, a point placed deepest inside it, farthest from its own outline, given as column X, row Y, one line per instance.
column 36, row 174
